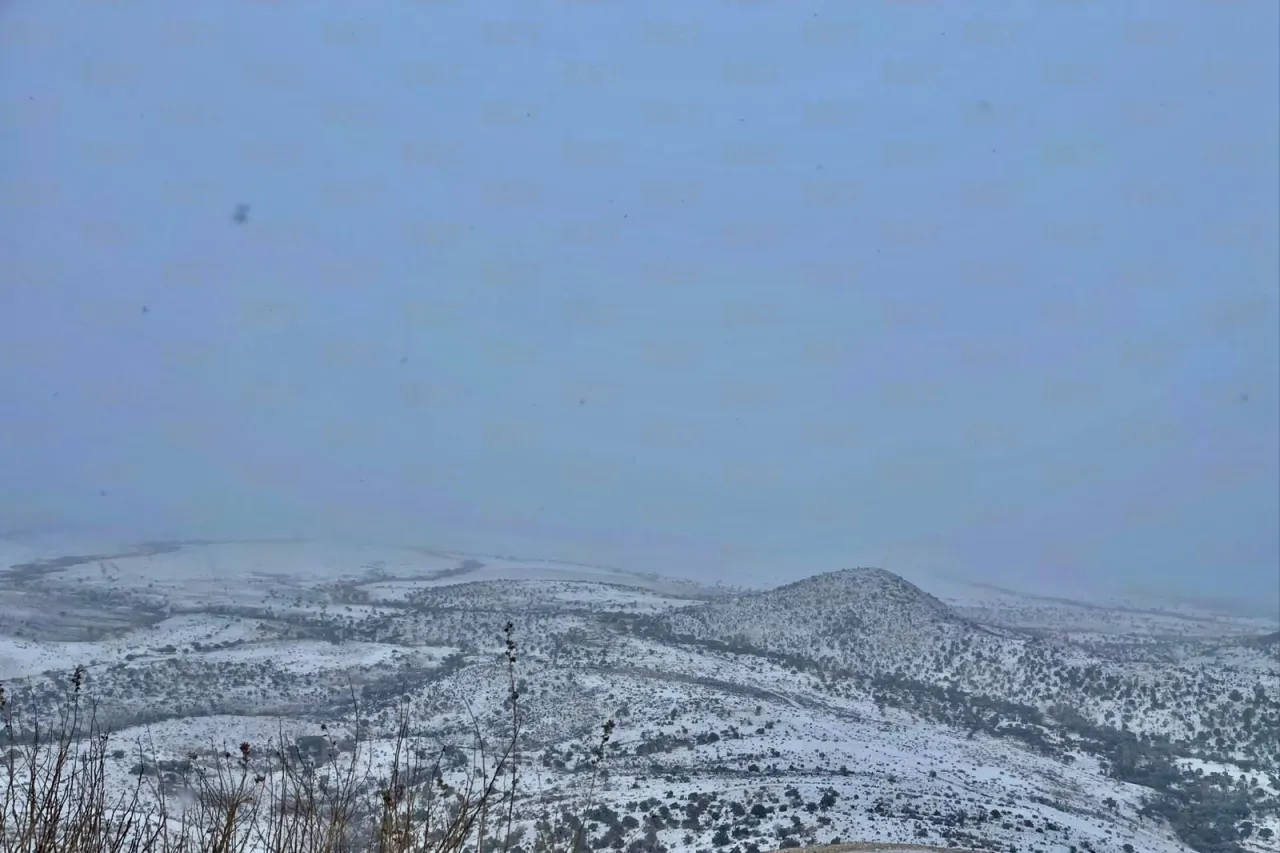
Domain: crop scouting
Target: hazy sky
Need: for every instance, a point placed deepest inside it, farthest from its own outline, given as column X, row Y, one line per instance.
column 720, row 289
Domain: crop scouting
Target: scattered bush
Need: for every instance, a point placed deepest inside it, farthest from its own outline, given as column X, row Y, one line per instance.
column 55, row 797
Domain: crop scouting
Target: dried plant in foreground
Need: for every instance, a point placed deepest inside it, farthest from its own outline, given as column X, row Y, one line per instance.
column 56, row 792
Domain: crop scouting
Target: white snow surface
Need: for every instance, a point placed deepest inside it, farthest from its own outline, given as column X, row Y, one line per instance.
column 205, row 645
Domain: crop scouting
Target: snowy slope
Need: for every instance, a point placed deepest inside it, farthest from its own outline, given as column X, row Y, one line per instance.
column 849, row 706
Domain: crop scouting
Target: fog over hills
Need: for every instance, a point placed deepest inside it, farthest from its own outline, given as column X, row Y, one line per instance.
column 853, row 705
column 784, row 423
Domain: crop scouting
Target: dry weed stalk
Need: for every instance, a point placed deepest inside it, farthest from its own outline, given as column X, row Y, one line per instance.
column 55, row 796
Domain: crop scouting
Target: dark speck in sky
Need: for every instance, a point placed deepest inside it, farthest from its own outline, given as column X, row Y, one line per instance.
column 242, row 214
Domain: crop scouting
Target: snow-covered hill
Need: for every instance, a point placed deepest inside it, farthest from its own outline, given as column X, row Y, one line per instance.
column 850, row 706
column 866, row 619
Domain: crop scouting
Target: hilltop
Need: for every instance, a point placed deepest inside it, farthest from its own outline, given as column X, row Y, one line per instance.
column 867, row 619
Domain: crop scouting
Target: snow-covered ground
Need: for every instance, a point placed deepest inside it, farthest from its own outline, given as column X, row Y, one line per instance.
column 763, row 727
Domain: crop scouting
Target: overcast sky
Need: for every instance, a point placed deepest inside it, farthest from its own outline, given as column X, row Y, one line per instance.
column 719, row 289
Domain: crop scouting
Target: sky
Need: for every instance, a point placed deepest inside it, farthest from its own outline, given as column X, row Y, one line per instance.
column 734, row 289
